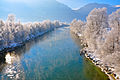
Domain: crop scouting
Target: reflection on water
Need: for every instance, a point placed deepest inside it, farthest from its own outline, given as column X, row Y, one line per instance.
column 91, row 70
column 9, row 58
column 76, row 39
column 53, row 56
column 13, row 68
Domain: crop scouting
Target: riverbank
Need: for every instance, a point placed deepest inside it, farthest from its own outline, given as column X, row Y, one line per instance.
column 15, row 33
column 98, row 63
column 108, row 70
column 14, row 46
column 17, row 45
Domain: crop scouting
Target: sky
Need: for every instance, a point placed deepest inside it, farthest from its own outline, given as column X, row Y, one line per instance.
column 74, row 4
column 27, row 2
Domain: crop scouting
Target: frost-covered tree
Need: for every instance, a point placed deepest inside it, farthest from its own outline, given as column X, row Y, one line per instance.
column 95, row 27
column 1, row 23
column 12, row 32
column 112, row 41
column 77, row 26
column 102, row 35
column 114, row 22
column 11, row 18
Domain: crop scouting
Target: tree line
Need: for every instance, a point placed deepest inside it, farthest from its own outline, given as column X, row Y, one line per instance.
column 13, row 33
column 101, row 35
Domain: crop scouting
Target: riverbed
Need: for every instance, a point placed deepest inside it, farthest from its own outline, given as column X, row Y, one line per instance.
column 53, row 56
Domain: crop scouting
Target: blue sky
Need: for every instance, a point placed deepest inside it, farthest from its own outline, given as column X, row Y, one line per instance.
column 74, row 4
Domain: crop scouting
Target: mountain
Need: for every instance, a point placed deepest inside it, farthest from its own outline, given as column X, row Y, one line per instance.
column 48, row 9
column 85, row 10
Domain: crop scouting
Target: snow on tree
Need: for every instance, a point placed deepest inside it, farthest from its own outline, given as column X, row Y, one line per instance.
column 112, row 41
column 11, row 18
column 102, row 35
column 12, row 32
column 95, row 27
column 1, row 23
column 77, row 26
column 114, row 22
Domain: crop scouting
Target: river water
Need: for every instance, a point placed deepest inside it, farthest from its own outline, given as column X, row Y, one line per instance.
column 53, row 56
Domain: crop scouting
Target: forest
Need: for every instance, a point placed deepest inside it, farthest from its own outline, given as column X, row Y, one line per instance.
column 100, row 34
column 14, row 33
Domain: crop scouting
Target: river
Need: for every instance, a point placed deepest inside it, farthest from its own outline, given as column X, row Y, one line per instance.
column 53, row 56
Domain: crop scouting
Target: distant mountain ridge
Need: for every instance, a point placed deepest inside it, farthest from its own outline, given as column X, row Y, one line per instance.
column 85, row 10
column 52, row 10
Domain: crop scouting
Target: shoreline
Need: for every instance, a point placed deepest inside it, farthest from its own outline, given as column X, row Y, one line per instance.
column 111, row 76
column 14, row 46
column 108, row 70
column 18, row 45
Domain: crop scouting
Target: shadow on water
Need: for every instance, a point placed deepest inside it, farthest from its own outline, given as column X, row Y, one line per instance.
column 53, row 56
